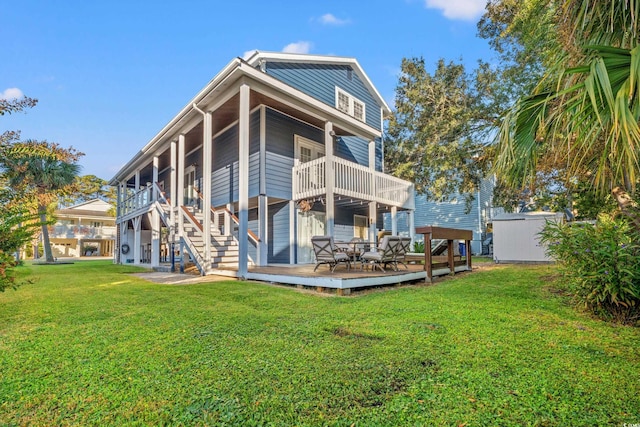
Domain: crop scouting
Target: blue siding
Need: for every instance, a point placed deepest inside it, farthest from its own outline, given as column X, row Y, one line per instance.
column 224, row 177
column 254, row 154
column 320, row 81
column 354, row 149
column 253, row 226
column 281, row 131
column 166, row 178
column 279, row 233
column 451, row 214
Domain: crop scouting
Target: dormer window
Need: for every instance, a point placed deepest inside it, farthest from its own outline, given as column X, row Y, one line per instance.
column 350, row 105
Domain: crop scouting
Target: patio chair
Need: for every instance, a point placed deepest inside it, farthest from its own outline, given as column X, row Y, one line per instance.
column 402, row 250
column 327, row 253
column 385, row 255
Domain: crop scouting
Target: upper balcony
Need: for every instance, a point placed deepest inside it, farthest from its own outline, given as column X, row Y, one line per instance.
column 61, row 231
column 351, row 180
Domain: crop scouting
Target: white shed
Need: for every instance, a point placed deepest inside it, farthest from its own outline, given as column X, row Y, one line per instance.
column 515, row 236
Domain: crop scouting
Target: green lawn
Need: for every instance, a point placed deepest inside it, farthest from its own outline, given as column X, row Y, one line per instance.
column 88, row 344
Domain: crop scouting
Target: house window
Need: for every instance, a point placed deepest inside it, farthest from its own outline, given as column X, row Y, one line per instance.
column 307, row 150
column 358, row 110
column 343, row 102
column 350, row 105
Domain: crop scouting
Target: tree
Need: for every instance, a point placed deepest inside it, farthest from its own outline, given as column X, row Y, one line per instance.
column 45, row 171
column 583, row 113
column 88, row 187
column 15, row 219
column 437, row 133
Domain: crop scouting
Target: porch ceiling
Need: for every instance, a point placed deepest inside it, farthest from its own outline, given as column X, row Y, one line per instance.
column 224, row 116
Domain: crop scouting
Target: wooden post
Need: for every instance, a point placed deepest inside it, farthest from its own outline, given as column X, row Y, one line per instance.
column 450, row 259
column 428, row 265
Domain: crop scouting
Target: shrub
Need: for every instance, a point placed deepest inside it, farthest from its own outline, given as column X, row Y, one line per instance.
column 600, row 264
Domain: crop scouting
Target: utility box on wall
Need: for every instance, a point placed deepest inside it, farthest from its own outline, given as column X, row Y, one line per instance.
column 515, row 236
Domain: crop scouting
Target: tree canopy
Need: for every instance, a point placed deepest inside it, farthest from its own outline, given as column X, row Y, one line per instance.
column 44, row 171
column 582, row 115
column 16, row 221
column 437, row 134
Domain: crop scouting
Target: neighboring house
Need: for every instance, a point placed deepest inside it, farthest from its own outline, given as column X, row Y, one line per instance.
column 452, row 213
column 275, row 149
column 85, row 229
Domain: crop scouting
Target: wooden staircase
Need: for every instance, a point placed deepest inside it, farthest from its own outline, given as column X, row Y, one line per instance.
column 224, row 249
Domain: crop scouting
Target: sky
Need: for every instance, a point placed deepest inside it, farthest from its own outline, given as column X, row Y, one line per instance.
column 110, row 75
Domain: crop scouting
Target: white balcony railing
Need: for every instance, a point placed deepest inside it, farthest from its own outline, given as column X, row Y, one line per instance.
column 62, row 231
column 142, row 198
column 351, row 180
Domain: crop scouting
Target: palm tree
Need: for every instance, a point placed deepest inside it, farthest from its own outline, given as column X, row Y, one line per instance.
column 585, row 111
column 43, row 171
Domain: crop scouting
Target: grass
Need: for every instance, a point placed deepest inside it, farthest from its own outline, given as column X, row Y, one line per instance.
column 88, row 344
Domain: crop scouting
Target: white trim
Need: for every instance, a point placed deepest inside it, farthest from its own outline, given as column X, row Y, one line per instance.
column 319, row 59
column 365, row 219
column 351, row 101
column 317, row 149
column 260, row 82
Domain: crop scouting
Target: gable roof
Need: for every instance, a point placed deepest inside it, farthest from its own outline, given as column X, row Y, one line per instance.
column 91, row 205
column 233, row 72
column 259, row 57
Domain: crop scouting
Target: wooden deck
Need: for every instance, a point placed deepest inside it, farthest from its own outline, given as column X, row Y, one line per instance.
column 341, row 279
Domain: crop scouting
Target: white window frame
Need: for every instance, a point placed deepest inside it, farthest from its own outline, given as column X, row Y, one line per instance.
column 317, row 149
column 352, row 100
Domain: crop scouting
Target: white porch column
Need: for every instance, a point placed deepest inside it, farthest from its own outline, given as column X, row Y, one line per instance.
column 394, row 221
column 329, row 178
column 206, row 183
column 155, row 177
column 172, row 191
column 227, row 219
column 412, row 227
column 155, row 238
column 119, row 200
column 243, row 177
column 373, row 208
column 137, row 202
column 137, row 180
column 180, row 190
column 124, row 238
column 263, row 214
column 292, row 232
column 136, row 240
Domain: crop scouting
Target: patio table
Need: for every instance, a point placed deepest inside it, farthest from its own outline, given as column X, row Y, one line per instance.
column 351, row 248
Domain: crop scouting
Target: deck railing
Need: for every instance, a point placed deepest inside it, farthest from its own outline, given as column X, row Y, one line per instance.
column 62, row 231
column 137, row 200
column 351, row 180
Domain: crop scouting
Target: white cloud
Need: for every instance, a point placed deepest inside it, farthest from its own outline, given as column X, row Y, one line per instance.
column 299, row 47
column 330, row 19
column 248, row 54
column 11, row 93
column 468, row 10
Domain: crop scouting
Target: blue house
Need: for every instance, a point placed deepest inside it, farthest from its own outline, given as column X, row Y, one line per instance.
column 273, row 150
column 453, row 212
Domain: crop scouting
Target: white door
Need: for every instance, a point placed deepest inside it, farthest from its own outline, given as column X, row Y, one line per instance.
column 361, row 227
column 189, row 186
column 309, row 224
column 307, row 150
